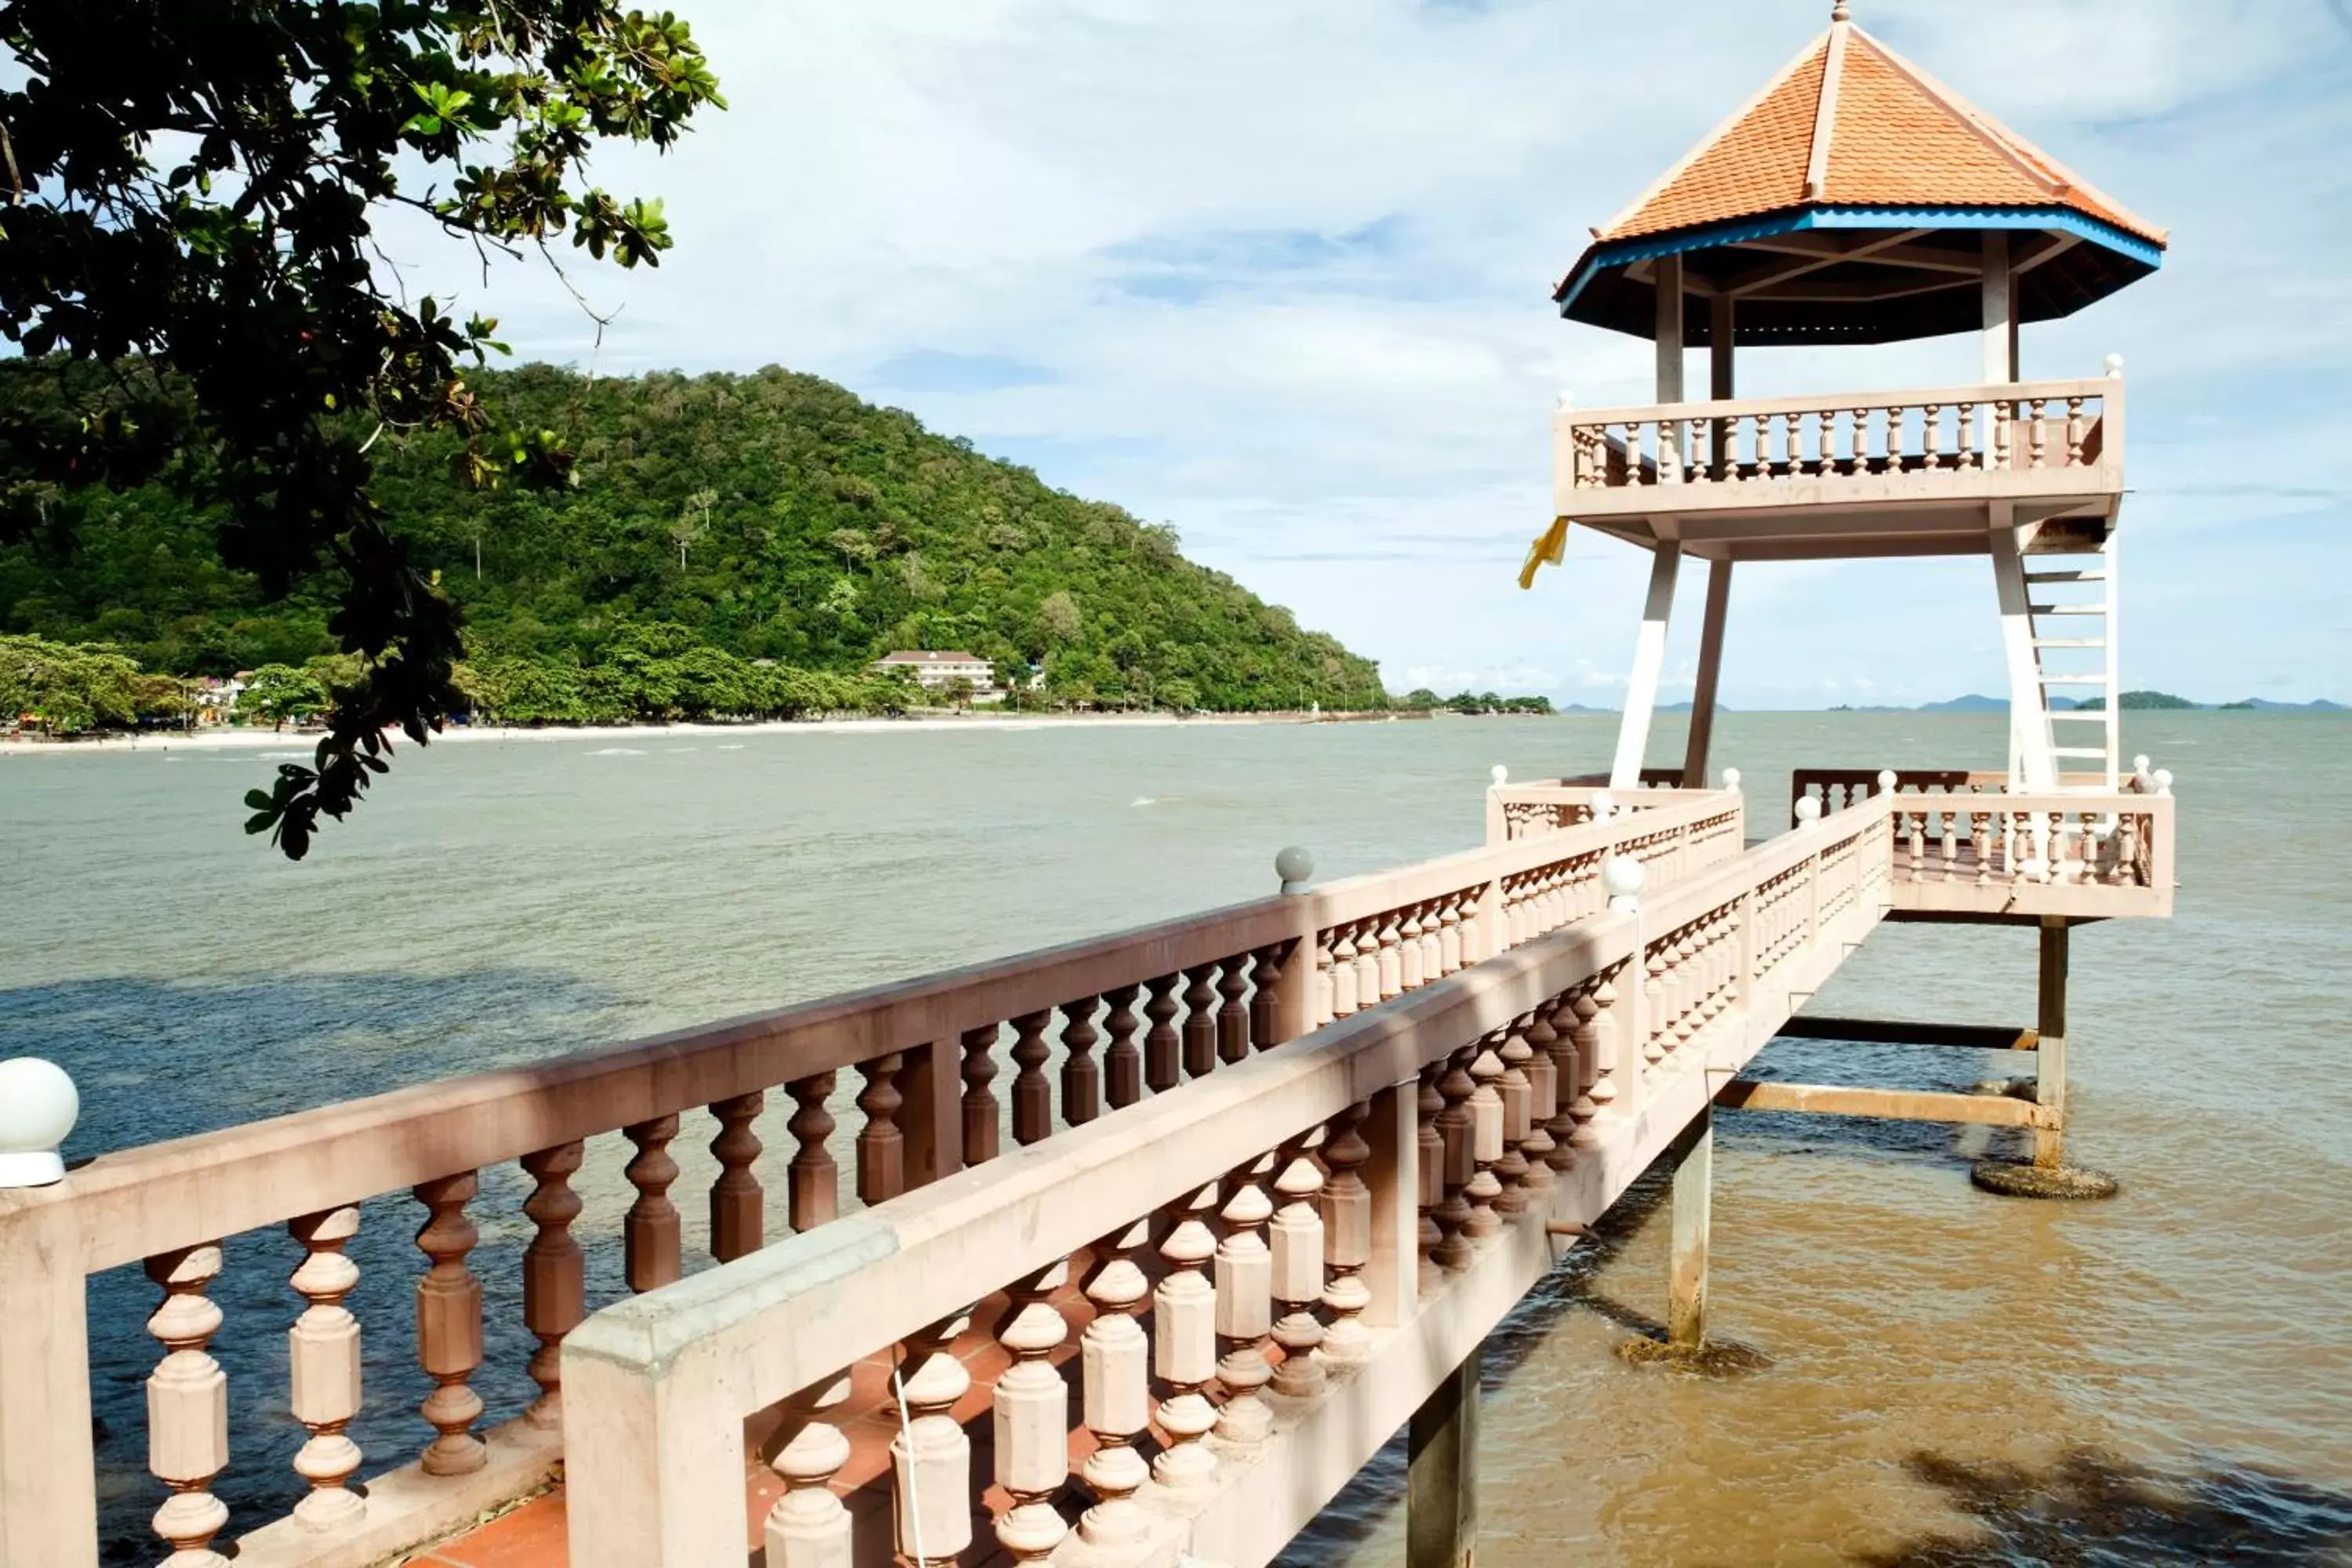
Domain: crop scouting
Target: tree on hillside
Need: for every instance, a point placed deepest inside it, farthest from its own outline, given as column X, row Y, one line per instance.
column 1057, row 619
column 66, row 689
column 189, row 249
column 279, row 694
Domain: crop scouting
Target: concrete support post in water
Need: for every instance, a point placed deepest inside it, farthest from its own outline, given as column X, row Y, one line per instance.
column 1693, row 1157
column 2050, row 1058
column 1441, row 1473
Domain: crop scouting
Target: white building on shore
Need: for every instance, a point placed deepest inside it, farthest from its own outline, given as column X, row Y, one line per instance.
column 935, row 670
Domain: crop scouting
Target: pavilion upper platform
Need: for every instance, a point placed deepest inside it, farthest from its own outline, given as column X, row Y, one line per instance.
column 1854, row 199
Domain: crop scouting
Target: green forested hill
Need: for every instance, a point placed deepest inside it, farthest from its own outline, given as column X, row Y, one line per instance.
column 771, row 516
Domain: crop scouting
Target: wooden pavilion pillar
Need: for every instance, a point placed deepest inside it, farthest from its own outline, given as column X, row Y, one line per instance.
column 1719, row 573
column 1650, row 643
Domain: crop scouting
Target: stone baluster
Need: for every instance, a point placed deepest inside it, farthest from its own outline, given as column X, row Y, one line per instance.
column 1200, row 1021
column 1123, row 1060
column 322, row 1361
column 1915, row 824
column 1530, row 1057
column 813, row 1181
column 1346, row 1207
column 1409, row 956
column 1931, row 439
column 1081, row 1074
column 1454, row 1214
column 1185, row 1350
column 1970, row 454
column 1116, row 1358
column 1031, row 1407
column 1980, row 844
column 1479, row 940
column 187, row 1406
column 1433, row 948
column 1512, row 1055
column 738, row 1207
column 2075, row 432
column 881, row 1142
column 1296, row 1241
column 1617, row 1057
column 1232, row 1018
column 2040, row 430
column 1265, row 995
column 1164, row 1048
column 1323, row 983
column 1567, row 1090
column 1429, row 1169
column 650, row 1234
column 1670, row 452
column 1650, row 975
column 1033, row 1093
column 808, row 1527
column 1449, row 935
column 1485, row 1107
column 980, row 1109
column 1892, row 463
column 1343, row 972
column 554, row 1282
column 1998, row 414
column 1392, row 954
column 930, row 1459
column 449, row 1326
column 1950, row 822
column 1367, row 965
column 1245, row 1309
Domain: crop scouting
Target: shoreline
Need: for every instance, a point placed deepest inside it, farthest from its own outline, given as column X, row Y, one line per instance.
column 227, row 739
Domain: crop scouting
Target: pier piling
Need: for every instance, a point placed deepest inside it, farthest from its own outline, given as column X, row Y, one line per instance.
column 2050, row 1062
column 1694, row 1156
column 1441, row 1473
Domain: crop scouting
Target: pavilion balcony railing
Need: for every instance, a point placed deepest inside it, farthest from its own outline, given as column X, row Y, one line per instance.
column 265, row 1244
column 2023, row 438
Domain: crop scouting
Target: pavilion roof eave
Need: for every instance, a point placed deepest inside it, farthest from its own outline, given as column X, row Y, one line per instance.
column 1607, row 254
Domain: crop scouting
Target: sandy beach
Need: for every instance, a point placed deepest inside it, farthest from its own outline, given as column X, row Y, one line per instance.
column 237, row 739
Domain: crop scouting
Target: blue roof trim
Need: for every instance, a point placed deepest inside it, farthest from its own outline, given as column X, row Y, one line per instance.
column 2066, row 220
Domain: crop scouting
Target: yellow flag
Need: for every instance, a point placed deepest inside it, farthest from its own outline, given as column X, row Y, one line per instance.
column 1550, row 548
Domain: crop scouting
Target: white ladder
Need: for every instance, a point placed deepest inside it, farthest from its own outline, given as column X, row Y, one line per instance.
column 2070, row 599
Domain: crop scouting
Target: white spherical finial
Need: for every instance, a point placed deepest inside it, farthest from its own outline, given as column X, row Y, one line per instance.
column 2164, row 780
column 1809, row 809
column 1838, row 13
column 2140, row 764
column 2116, row 366
column 1623, row 876
column 38, row 1106
column 1499, row 773
column 1294, row 866
column 1731, row 780
column 1604, row 806
column 1886, row 781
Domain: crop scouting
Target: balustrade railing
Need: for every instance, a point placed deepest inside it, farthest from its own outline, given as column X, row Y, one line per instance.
column 2048, row 428
column 890, row 1089
column 2122, row 840
column 1316, row 1235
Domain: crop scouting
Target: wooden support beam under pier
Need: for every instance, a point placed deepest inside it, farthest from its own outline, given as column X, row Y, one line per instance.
column 1898, row 1031
column 1894, row 1104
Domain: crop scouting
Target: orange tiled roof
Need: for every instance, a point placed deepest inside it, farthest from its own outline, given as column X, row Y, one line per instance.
column 1895, row 138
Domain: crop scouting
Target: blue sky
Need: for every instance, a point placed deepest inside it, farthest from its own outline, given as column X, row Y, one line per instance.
column 1277, row 272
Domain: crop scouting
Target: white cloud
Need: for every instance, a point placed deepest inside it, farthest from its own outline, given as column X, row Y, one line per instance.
column 1276, row 271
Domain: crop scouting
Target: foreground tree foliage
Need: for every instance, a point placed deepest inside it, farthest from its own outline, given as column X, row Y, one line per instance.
column 819, row 533
column 192, row 191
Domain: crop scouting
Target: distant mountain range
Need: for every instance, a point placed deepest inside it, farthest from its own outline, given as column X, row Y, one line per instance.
column 1977, row 703
column 2131, row 701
